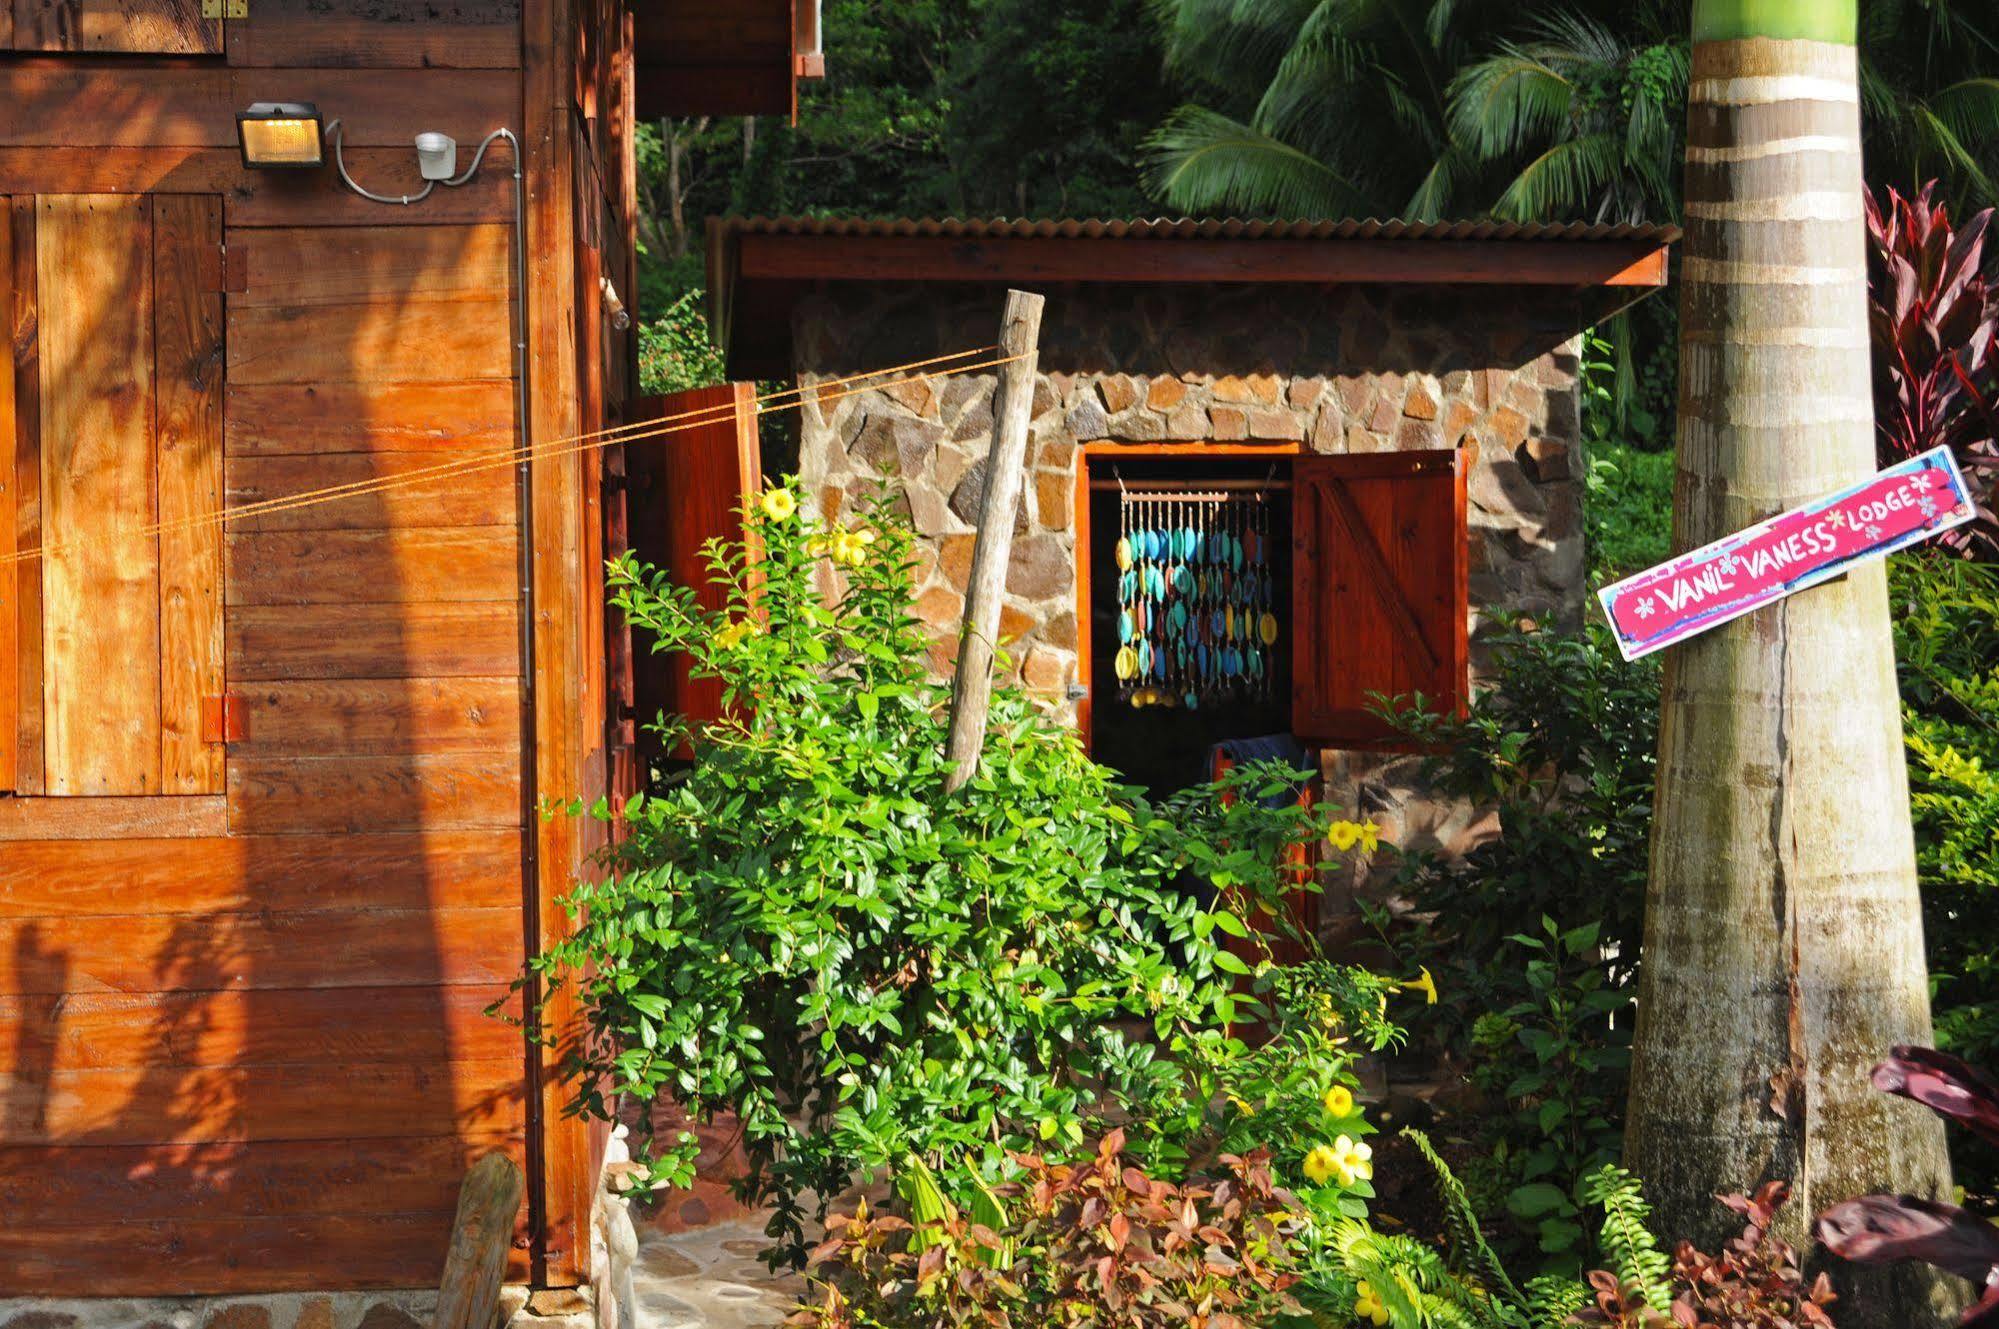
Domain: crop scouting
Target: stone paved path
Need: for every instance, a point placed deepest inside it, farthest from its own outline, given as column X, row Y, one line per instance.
column 710, row 1278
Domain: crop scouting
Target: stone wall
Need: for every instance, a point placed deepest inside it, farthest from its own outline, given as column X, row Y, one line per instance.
column 1324, row 369
column 287, row 1310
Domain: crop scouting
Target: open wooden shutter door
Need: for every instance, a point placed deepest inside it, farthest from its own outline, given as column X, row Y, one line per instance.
column 125, row 27
column 115, row 447
column 1379, row 566
column 687, row 488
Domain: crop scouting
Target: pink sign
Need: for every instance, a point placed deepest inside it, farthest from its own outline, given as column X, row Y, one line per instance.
column 1908, row 502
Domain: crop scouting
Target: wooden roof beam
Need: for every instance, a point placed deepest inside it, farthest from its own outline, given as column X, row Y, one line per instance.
column 1615, row 263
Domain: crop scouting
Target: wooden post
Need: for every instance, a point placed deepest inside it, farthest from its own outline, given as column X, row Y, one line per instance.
column 992, row 548
column 469, row 1296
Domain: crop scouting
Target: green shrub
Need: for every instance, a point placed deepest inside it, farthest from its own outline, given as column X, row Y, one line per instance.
column 1629, row 510
column 1946, row 615
column 675, row 351
column 802, row 929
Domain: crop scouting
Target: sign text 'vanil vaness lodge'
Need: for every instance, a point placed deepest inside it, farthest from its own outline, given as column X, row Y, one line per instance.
column 1908, row 502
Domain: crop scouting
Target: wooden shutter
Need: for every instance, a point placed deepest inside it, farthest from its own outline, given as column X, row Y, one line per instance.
column 1379, row 597
column 686, row 488
column 116, row 448
column 131, row 27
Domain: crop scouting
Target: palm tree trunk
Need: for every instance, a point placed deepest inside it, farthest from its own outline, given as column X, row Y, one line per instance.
column 1783, row 949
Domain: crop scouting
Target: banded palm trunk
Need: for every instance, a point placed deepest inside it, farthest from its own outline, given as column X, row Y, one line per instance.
column 1783, row 948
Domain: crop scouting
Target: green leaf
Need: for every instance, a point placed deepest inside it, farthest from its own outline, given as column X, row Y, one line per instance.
column 1535, row 1199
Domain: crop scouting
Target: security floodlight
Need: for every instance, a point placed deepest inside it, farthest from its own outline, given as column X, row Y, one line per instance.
column 282, row 136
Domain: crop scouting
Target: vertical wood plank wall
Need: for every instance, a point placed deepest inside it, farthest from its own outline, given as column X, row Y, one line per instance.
column 242, row 1045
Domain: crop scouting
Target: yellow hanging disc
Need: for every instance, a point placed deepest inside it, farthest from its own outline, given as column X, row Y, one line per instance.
column 1123, row 556
column 1267, row 629
column 1126, row 663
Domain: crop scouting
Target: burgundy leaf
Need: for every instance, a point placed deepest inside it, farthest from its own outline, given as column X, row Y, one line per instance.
column 1877, row 1228
column 1944, row 1084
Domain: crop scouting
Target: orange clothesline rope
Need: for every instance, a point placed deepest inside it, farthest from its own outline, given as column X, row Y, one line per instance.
column 549, row 450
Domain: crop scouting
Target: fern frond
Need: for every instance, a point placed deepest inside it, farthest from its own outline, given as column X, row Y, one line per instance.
column 1627, row 1240
column 1468, row 1244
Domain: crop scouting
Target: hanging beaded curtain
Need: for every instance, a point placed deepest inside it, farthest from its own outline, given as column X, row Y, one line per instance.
column 1196, row 608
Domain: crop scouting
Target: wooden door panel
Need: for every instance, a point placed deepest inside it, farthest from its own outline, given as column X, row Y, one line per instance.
column 187, row 351
column 1379, row 567
column 100, row 574
column 135, row 27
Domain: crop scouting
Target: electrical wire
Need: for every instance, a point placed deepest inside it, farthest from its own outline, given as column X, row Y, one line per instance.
column 546, row 451
column 340, row 164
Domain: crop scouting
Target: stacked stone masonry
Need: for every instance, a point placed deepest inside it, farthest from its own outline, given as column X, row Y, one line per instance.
column 1321, row 369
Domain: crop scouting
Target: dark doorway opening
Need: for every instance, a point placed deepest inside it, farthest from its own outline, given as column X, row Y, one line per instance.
column 1163, row 746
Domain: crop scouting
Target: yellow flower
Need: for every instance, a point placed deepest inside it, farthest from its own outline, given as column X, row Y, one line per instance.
column 778, row 504
column 1370, row 837
column 1425, row 985
column 1351, row 1161
column 1320, row 1163
column 1367, row 1305
column 1343, row 835
column 850, row 549
column 1338, row 1101
column 732, row 636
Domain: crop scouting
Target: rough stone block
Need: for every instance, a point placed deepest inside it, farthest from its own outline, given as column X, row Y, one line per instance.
column 1165, row 392
column 941, row 608
column 1507, row 427
column 1138, row 426
column 1046, row 398
column 970, row 496
column 1087, row 419
column 916, row 395
column 1304, row 393
column 1190, row 423
column 1274, row 424
column 1229, row 424
column 1118, row 391
column 1421, row 403
column 1060, row 630
column 1015, row 622
column 1040, row 568
column 954, row 560
column 1054, row 496
column 241, row 1315
column 1233, row 390
column 1458, row 417
column 1045, row 670
column 1386, row 413
column 896, row 445
column 1356, row 392
column 1417, row 435
column 384, row 1315
column 1329, row 432
column 1544, row 460
column 1264, row 388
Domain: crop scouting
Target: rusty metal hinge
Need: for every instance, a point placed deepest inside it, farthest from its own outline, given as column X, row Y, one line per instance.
column 225, row 8
column 222, row 718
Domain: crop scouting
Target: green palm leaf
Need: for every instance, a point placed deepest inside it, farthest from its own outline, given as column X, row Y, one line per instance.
column 1562, row 180
column 1201, row 161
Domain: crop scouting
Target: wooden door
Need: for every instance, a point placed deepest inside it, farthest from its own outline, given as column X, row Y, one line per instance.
column 687, row 487
column 115, row 446
column 1379, row 570
column 128, row 27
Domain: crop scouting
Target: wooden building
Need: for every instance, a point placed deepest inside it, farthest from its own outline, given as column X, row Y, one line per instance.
column 267, row 835
column 1398, row 405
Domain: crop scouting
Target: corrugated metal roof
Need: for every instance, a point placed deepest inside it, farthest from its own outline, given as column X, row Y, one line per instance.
column 1187, row 228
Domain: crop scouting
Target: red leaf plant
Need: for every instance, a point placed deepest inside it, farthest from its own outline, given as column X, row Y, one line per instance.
column 1755, row 1282
column 1090, row 1245
column 1934, row 319
column 1876, row 1229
